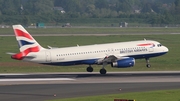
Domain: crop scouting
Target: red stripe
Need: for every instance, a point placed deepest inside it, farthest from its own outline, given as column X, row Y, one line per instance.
column 146, row 44
column 22, row 34
column 21, row 55
column 18, row 56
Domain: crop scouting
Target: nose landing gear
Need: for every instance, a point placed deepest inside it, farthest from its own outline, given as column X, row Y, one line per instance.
column 148, row 65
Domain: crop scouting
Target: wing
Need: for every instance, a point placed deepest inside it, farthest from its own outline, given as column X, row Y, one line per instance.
column 109, row 59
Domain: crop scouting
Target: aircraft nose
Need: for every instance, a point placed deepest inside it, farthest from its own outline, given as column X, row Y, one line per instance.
column 166, row 49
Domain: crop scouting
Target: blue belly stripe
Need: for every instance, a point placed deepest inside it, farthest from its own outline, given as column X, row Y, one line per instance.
column 93, row 61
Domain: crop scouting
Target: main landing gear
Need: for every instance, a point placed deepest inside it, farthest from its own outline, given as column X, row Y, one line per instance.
column 102, row 71
column 89, row 69
column 147, row 63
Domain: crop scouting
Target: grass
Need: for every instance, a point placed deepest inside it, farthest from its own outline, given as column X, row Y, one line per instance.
column 170, row 61
column 91, row 30
column 164, row 95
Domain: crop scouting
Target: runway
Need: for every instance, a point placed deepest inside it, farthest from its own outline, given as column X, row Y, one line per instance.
column 46, row 86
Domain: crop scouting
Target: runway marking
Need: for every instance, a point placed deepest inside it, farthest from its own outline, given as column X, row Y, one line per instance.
column 37, row 79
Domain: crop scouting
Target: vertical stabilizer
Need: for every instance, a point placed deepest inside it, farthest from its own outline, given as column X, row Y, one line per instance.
column 26, row 42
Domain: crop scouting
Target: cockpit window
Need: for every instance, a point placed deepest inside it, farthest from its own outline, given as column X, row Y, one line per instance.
column 159, row 45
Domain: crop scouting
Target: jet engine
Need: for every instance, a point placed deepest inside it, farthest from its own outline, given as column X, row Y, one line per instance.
column 125, row 62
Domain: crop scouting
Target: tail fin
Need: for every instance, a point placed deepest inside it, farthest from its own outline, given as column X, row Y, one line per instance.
column 26, row 42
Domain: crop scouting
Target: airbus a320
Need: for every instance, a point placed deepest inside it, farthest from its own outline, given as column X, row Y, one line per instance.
column 118, row 55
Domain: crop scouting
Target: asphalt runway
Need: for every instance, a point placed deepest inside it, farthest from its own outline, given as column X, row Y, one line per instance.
column 46, row 86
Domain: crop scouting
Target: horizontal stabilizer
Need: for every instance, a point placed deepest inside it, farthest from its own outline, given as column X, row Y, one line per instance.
column 19, row 56
column 51, row 47
column 10, row 53
column 29, row 57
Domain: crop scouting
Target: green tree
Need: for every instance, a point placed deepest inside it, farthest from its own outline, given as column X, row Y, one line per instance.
column 91, row 9
column 146, row 8
column 177, row 3
column 102, row 4
column 42, row 10
column 25, row 20
column 43, row 6
column 10, row 7
column 177, row 6
column 173, row 9
column 124, row 6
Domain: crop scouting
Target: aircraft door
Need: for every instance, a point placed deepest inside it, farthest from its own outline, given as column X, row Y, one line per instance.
column 48, row 56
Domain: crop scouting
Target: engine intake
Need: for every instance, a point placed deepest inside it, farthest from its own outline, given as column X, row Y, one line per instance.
column 126, row 62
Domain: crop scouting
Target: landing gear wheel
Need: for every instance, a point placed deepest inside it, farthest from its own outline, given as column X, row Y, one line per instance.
column 89, row 69
column 147, row 62
column 148, row 65
column 102, row 71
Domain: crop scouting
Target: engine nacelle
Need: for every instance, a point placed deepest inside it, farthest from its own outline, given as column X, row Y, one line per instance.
column 126, row 62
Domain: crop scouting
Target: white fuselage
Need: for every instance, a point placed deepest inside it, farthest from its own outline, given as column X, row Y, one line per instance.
column 90, row 54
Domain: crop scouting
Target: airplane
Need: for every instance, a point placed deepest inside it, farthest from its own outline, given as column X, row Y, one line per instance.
column 118, row 55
